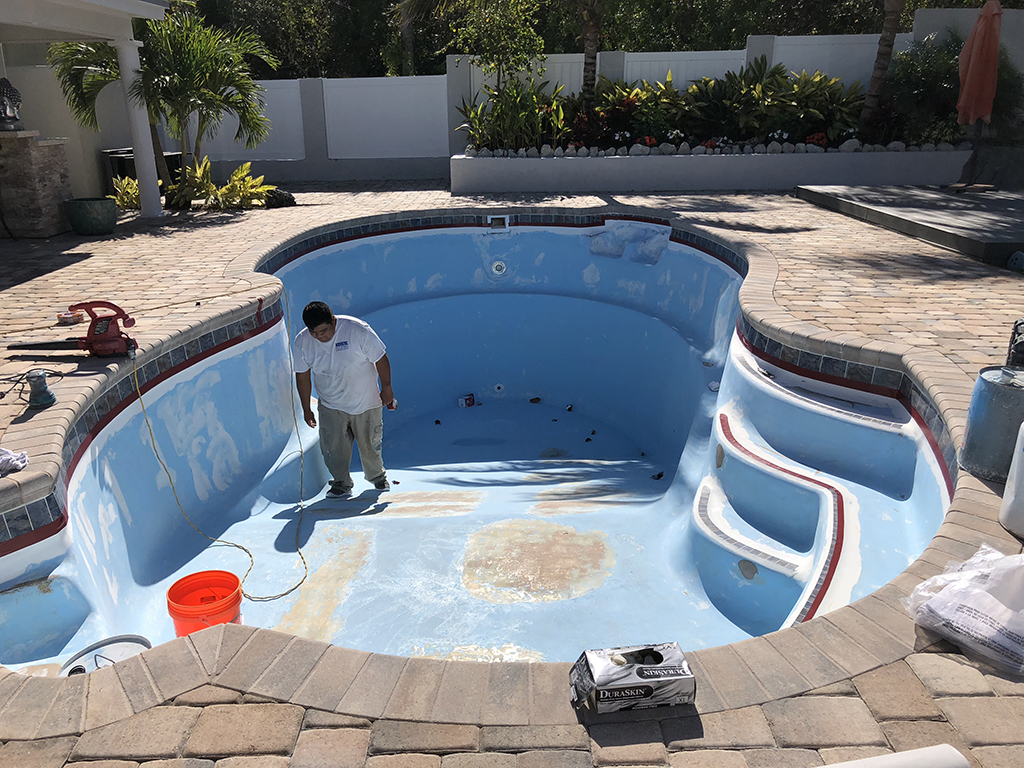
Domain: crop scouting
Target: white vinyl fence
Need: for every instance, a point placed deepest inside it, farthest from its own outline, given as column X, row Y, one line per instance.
column 286, row 142
column 685, row 66
column 386, row 117
column 850, row 57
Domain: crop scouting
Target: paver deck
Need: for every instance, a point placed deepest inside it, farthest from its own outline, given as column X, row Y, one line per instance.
column 867, row 681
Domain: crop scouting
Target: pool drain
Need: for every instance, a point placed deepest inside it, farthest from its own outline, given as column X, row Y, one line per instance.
column 498, row 267
column 499, row 388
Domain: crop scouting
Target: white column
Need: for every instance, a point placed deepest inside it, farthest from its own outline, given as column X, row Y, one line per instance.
column 138, row 122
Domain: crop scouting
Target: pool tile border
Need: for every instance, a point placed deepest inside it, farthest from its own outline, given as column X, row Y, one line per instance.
column 40, row 519
column 788, row 348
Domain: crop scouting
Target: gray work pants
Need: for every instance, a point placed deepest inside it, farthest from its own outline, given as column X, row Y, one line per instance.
column 337, row 432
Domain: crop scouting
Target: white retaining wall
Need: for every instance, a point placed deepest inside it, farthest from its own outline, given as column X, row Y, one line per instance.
column 474, row 175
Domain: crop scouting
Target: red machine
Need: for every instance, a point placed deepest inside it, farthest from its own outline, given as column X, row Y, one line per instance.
column 104, row 337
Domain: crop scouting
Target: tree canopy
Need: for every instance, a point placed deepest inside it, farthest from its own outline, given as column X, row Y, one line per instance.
column 363, row 38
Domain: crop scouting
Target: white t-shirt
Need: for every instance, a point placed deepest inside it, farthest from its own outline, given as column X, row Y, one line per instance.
column 343, row 368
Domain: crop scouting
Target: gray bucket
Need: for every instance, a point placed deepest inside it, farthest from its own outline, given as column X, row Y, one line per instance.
column 995, row 415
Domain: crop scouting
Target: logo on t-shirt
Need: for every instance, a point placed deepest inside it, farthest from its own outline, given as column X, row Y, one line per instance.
column 341, row 345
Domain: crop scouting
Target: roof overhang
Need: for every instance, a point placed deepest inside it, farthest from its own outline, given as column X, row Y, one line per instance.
column 41, row 21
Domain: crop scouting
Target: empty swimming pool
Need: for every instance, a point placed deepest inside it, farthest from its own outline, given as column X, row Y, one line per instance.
column 634, row 471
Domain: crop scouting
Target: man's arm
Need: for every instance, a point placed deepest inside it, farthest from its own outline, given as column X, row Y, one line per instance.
column 384, row 372
column 304, row 383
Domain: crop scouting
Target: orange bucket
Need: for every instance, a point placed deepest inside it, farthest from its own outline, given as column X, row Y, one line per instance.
column 203, row 599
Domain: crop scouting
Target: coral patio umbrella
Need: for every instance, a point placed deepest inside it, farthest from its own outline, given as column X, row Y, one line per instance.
column 979, row 63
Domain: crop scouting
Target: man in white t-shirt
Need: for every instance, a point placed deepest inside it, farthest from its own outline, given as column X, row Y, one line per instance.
column 345, row 358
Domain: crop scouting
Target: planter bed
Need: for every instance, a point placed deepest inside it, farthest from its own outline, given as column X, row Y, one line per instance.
column 658, row 173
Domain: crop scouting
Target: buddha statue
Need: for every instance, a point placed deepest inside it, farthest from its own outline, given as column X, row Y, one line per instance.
column 10, row 103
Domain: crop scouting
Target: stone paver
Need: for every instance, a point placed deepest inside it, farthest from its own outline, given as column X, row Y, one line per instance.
column 782, row 758
column 906, row 735
column 486, row 760
column 207, row 695
column 834, row 755
column 877, row 294
column 389, row 736
column 331, row 748
column 628, row 744
column 175, row 668
column 529, row 737
column 106, row 701
column 254, row 761
column 947, row 675
column 406, row 760
column 106, row 764
column 289, row 670
column 180, row 762
column 329, row 680
column 822, row 721
column 708, row 758
column 894, row 692
column 316, row 718
column 986, row 721
column 44, row 753
column 999, row 757
column 733, row 729
column 155, row 734
column 245, row 729
column 554, row 759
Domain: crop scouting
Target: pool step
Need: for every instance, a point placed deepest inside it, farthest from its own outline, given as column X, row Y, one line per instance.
column 761, row 510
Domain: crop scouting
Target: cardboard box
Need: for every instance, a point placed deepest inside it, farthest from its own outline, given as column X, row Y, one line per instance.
column 632, row 677
column 467, row 401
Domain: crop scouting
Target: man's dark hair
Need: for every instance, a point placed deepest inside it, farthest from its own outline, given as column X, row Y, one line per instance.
column 316, row 313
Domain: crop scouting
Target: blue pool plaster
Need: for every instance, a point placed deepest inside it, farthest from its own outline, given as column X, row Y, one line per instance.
column 516, row 529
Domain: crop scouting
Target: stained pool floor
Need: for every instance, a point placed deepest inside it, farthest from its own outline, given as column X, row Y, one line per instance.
column 512, row 531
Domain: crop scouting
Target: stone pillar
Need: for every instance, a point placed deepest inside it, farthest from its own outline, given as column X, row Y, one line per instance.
column 138, row 122
column 34, row 183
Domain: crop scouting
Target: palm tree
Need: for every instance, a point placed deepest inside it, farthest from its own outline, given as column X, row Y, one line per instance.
column 187, row 71
column 85, row 69
column 194, row 72
column 890, row 26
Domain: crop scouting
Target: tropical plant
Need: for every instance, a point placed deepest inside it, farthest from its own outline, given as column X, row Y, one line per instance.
column 243, row 190
column 823, row 104
column 476, row 123
column 126, row 193
column 196, row 184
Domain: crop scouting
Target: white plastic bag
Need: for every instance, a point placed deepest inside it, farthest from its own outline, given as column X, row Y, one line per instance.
column 978, row 605
column 11, row 461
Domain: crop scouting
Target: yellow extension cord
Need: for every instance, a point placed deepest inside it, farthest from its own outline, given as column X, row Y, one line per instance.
column 298, row 525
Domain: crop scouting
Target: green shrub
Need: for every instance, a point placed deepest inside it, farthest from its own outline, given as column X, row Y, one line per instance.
column 126, row 193
column 242, row 190
column 918, row 101
column 519, row 115
column 194, row 184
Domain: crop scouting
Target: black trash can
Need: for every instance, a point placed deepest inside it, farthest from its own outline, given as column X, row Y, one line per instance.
column 121, row 162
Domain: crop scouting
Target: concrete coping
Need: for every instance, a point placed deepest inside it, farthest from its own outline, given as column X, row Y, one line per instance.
column 867, row 634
